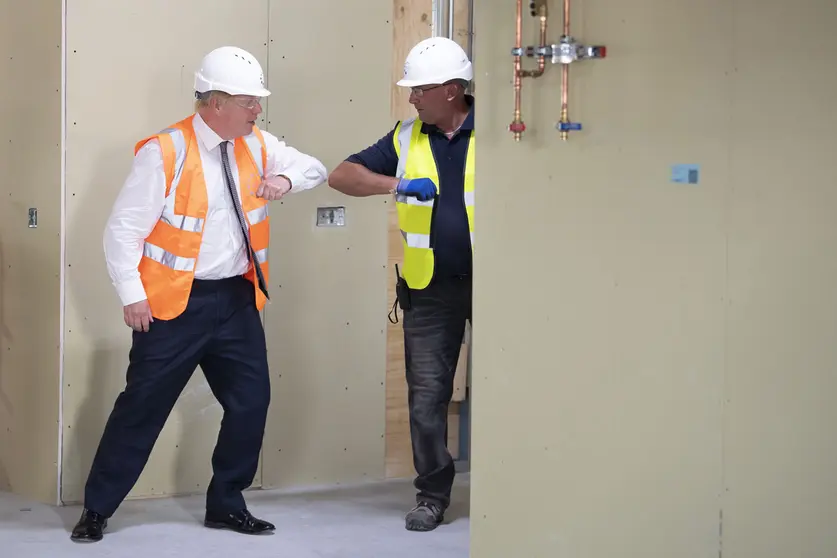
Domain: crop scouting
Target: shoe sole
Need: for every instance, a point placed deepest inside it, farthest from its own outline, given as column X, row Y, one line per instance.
column 85, row 540
column 421, row 527
column 225, row 527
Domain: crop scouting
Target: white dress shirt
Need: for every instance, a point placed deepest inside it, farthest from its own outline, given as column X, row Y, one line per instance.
column 142, row 198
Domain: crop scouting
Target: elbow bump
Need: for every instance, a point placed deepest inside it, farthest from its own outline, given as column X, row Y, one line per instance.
column 334, row 178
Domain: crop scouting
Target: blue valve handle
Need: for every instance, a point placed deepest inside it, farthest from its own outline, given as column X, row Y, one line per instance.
column 568, row 126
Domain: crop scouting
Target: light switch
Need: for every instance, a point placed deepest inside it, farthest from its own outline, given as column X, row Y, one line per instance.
column 331, row 216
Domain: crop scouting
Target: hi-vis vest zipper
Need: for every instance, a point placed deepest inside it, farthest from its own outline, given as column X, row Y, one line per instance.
column 415, row 160
column 167, row 266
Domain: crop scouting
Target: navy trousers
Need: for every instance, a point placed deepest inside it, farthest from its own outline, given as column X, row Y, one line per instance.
column 221, row 331
column 433, row 331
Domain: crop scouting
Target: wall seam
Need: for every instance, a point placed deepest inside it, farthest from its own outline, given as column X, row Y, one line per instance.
column 63, row 247
column 266, row 126
column 727, row 203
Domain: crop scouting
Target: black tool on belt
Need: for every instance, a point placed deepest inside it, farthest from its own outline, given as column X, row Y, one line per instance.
column 402, row 296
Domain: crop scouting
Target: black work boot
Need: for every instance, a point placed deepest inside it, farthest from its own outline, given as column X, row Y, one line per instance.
column 90, row 527
column 424, row 517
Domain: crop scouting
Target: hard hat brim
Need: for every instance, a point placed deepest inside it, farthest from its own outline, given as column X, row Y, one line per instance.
column 203, row 85
column 411, row 83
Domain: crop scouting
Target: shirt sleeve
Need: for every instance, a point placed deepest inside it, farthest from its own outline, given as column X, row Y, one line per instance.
column 379, row 157
column 135, row 212
column 304, row 171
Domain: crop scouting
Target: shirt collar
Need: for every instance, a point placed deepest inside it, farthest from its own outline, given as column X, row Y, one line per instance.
column 205, row 134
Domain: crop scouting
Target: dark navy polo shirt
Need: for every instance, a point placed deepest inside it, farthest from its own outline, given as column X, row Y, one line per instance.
column 449, row 234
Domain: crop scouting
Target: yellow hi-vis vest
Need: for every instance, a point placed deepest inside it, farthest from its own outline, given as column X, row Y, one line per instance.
column 415, row 218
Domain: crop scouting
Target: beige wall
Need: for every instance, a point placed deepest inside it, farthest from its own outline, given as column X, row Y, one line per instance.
column 327, row 328
column 30, row 163
column 326, row 323
column 654, row 362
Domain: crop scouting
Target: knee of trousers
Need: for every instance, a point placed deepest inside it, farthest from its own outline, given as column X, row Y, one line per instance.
column 256, row 404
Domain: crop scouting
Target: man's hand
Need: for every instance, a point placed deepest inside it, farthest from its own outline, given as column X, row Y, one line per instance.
column 273, row 188
column 421, row 188
column 138, row 315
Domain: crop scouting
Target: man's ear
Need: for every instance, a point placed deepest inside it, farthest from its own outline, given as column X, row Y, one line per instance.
column 216, row 103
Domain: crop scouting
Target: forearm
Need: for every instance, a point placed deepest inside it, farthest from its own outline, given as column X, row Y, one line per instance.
column 122, row 256
column 302, row 171
column 134, row 215
column 355, row 180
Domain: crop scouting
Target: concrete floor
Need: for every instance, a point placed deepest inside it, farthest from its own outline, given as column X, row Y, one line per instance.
column 354, row 522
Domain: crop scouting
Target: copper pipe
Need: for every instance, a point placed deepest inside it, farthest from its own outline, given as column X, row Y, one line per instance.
column 541, row 58
column 565, row 79
column 565, row 76
column 517, row 126
column 566, row 18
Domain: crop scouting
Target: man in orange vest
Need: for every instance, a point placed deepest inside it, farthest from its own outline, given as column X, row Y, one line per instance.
column 186, row 248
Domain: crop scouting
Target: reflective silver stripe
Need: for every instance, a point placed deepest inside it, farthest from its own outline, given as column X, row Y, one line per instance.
column 168, row 259
column 257, row 215
column 416, row 240
column 255, row 146
column 404, row 135
column 179, row 155
column 410, row 200
column 182, row 222
column 472, row 238
column 469, row 198
column 261, row 255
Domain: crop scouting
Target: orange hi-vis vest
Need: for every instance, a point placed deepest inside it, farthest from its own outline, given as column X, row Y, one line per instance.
column 167, row 266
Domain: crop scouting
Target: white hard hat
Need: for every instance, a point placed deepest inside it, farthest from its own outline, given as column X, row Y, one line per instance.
column 435, row 61
column 231, row 70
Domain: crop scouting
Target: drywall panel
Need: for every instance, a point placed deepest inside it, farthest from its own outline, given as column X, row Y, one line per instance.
column 780, row 447
column 599, row 287
column 30, row 161
column 130, row 74
column 329, row 70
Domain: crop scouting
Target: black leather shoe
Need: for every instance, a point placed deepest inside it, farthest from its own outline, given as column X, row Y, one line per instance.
column 240, row 522
column 90, row 527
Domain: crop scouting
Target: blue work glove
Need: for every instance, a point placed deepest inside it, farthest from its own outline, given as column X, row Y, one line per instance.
column 422, row 189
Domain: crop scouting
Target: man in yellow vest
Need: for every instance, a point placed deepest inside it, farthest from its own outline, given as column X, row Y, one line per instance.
column 427, row 163
column 186, row 248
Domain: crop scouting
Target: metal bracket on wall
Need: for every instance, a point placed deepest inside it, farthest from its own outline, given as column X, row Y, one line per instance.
column 566, row 51
column 33, row 217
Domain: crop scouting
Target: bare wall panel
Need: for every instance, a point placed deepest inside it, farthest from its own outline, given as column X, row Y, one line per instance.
column 780, row 448
column 330, row 76
column 130, row 74
column 30, row 161
column 599, row 284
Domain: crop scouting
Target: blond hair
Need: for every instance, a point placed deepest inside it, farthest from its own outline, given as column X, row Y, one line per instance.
column 205, row 98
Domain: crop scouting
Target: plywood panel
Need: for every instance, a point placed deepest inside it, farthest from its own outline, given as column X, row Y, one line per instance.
column 413, row 22
column 599, row 288
column 30, row 159
column 780, row 448
column 329, row 72
column 123, row 84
